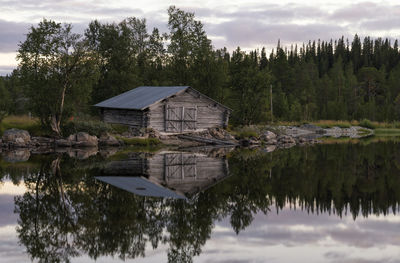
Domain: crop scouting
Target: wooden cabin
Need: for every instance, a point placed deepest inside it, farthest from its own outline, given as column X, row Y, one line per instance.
column 168, row 174
column 172, row 109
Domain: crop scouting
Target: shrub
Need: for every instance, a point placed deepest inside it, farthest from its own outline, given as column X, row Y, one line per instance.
column 331, row 123
column 367, row 124
column 247, row 131
column 93, row 127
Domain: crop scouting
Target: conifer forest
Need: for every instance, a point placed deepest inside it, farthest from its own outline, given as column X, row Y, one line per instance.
column 336, row 79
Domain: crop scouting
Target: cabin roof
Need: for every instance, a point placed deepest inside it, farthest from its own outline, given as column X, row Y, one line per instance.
column 143, row 97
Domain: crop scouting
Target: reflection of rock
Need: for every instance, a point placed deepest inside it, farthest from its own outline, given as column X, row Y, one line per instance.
column 285, row 139
column 184, row 173
column 83, row 154
column 80, row 154
column 210, row 151
column 352, row 132
column 42, row 142
column 109, row 151
column 63, row 143
column 249, row 142
column 17, row 155
column 269, row 148
column 16, row 138
column 310, row 131
column 271, row 142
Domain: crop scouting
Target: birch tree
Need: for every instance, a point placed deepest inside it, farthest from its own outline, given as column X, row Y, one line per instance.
column 57, row 71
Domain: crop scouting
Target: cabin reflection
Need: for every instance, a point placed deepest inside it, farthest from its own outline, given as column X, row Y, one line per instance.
column 167, row 174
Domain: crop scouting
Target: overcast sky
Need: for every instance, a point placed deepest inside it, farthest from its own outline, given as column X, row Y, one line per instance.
column 248, row 24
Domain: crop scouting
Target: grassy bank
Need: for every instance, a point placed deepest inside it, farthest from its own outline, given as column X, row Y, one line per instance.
column 91, row 125
column 345, row 124
column 24, row 122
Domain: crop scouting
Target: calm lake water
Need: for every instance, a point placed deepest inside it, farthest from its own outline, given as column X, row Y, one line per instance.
column 324, row 203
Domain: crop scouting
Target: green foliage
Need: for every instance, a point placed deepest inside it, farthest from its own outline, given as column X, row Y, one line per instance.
column 93, row 127
column 367, row 124
column 249, row 89
column 57, row 71
column 246, row 134
column 5, row 100
column 31, row 125
column 331, row 80
column 243, row 132
column 330, row 124
column 387, row 131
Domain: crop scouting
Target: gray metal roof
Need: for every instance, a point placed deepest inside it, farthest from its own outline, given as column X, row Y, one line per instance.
column 139, row 186
column 141, row 97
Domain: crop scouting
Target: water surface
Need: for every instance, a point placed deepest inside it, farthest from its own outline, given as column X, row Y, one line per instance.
column 325, row 203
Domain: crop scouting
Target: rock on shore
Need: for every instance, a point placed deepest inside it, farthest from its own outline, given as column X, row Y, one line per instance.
column 16, row 138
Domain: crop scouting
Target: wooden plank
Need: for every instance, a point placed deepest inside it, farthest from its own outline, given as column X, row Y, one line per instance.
column 205, row 140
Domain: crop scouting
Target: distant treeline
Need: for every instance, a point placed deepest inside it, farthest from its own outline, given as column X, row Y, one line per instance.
column 339, row 79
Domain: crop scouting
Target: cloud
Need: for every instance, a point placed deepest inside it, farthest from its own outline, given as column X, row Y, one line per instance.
column 7, row 216
column 368, row 16
column 249, row 25
column 74, row 10
column 6, row 70
column 10, row 34
column 383, row 24
column 251, row 33
column 357, row 12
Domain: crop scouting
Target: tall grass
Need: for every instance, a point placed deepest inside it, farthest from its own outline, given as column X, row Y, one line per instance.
column 24, row 122
column 331, row 123
column 346, row 124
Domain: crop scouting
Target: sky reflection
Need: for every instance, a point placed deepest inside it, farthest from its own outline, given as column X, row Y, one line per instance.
column 289, row 236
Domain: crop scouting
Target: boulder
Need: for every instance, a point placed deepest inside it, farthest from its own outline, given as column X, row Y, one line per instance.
column 249, row 142
column 151, row 133
column 302, row 140
column 42, row 141
column 311, row 127
column 63, row 143
column 285, row 139
column 72, row 138
column 81, row 139
column 268, row 135
column 108, row 140
column 271, row 142
column 16, row 138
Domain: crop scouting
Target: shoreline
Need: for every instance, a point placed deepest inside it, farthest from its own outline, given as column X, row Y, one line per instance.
column 17, row 145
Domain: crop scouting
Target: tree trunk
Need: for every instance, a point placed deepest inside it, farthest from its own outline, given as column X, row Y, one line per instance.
column 56, row 118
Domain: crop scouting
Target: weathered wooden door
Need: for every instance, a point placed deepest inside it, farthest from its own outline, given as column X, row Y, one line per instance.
column 180, row 166
column 180, row 119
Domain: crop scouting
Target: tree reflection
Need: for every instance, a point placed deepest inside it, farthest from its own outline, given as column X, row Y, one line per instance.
column 66, row 212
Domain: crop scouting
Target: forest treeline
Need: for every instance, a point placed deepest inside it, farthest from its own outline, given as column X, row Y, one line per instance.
column 61, row 74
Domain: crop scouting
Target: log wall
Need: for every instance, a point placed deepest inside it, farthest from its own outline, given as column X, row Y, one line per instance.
column 133, row 118
column 209, row 113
